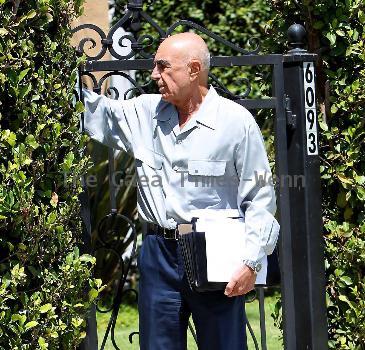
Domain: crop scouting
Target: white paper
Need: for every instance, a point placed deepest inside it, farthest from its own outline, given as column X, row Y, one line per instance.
column 225, row 244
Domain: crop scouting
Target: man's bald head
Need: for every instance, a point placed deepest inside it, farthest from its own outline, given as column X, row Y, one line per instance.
column 190, row 46
column 181, row 67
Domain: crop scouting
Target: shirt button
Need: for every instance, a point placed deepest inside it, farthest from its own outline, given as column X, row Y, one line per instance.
column 178, row 141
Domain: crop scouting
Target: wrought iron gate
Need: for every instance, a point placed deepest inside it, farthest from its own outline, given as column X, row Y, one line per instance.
column 296, row 154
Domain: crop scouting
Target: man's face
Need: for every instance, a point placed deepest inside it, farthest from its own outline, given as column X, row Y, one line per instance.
column 171, row 73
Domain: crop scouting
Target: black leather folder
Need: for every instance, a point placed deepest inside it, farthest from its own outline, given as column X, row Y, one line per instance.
column 193, row 249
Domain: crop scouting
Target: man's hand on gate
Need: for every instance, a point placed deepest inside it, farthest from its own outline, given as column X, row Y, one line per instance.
column 242, row 281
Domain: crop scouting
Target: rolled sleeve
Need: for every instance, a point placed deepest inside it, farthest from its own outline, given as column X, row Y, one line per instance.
column 256, row 196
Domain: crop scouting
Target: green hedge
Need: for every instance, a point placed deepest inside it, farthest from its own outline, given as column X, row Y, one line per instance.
column 336, row 33
column 46, row 287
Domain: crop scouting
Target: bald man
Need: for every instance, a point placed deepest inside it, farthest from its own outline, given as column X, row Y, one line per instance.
column 193, row 150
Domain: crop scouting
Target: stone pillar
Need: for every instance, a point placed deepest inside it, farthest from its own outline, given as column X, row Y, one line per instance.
column 96, row 12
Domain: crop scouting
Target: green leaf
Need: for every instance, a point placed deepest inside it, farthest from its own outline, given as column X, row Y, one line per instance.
column 22, row 74
column 341, row 200
column 68, row 161
column 12, row 76
column 30, row 140
column 82, row 335
column 45, row 308
column 20, row 318
column 360, row 179
column 344, row 179
column 22, row 246
column 323, row 125
column 69, row 258
column 76, row 252
column 338, row 272
column 334, row 109
column 361, row 16
column 93, row 293
column 87, row 258
column 42, row 343
column 24, row 90
column 98, row 282
column 3, row 31
column 9, row 137
column 331, row 37
column 30, row 324
column 348, row 213
column 76, row 321
column 31, row 14
column 49, row 17
column 11, row 246
column 79, row 107
column 79, row 305
column 360, row 193
column 343, row 298
column 346, row 279
column 52, row 217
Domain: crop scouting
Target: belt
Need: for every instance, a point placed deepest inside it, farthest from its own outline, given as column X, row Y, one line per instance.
column 166, row 233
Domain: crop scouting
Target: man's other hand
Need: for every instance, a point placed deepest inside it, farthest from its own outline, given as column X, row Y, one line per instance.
column 242, row 281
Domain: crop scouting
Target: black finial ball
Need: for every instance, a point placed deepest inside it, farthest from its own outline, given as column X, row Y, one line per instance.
column 296, row 36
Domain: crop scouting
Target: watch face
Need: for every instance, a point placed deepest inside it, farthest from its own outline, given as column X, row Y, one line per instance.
column 258, row 267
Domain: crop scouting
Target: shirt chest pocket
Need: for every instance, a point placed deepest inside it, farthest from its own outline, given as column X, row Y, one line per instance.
column 206, row 167
column 149, row 157
column 204, row 177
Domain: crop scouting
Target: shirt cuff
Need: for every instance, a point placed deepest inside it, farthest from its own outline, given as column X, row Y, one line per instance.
column 262, row 232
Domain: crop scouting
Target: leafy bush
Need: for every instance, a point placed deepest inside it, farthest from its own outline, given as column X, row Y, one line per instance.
column 46, row 287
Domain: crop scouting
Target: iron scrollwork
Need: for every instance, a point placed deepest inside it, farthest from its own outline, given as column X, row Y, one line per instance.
column 219, row 86
column 140, row 43
column 134, row 90
column 106, row 226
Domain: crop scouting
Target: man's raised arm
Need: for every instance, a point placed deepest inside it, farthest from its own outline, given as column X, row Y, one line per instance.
column 114, row 123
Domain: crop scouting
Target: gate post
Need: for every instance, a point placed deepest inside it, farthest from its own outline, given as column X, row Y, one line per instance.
column 302, row 265
column 90, row 342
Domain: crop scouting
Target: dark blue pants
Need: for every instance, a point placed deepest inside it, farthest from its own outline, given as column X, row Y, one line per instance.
column 166, row 302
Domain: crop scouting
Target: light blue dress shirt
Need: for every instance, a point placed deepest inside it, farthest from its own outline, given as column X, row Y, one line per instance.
column 214, row 161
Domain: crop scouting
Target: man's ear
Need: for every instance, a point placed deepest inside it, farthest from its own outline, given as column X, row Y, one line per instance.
column 195, row 69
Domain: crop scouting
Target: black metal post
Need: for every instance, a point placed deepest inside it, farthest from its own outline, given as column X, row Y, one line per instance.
column 90, row 342
column 261, row 293
column 304, row 307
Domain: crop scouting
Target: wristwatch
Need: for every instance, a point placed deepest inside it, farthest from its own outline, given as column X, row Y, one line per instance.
column 255, row 266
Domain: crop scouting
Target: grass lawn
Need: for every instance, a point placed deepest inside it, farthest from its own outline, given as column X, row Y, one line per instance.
column 128, row 322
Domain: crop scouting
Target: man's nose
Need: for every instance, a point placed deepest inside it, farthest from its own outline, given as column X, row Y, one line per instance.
column 155, row 75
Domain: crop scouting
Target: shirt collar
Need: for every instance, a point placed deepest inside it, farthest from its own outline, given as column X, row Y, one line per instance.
column 164, row 110
column 206, row 114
